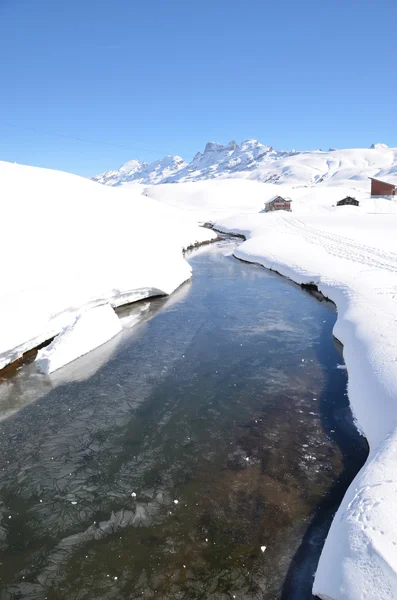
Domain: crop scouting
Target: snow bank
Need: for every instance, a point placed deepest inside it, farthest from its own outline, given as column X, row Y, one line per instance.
column 351, row 257
column 90, row 330
column 69, row 244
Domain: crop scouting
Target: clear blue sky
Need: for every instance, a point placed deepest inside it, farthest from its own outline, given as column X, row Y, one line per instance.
column 154, row 77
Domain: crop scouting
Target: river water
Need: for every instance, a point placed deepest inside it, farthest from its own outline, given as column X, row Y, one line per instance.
column 200, row 455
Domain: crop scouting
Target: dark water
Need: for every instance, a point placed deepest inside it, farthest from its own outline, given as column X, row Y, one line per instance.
column 159, row 465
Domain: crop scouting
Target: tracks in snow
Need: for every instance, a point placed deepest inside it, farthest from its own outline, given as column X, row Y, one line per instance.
column 342, row 247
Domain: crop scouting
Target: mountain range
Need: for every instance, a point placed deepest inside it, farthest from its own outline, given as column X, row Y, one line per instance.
column 254, row 160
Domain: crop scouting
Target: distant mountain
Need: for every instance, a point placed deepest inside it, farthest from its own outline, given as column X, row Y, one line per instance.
column 226, row 161
column 217, row 160
column 142, row 172
column 253, row 160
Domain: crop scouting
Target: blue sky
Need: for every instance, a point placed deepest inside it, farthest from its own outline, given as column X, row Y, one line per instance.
column 141, row 79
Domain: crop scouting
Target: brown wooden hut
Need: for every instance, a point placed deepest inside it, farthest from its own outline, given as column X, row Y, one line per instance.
column 348, row 201
column 278, row 203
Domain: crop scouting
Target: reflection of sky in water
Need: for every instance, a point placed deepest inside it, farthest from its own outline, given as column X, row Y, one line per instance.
column 212, row 399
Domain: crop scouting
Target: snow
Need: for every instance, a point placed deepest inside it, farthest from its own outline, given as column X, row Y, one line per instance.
column 217, row 198
column 208, row 200
column 90, row 329
column 69, row 244
column 351, row 256
column 256, row 161
column 217, row 160
column 335, row 167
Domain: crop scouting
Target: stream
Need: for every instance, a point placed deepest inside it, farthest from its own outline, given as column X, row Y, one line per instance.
column 201, row 454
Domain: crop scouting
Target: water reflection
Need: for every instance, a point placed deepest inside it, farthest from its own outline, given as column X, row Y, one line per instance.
column 199, row 439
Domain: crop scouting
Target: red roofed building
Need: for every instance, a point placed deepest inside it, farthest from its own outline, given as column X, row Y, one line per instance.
column 382, row 188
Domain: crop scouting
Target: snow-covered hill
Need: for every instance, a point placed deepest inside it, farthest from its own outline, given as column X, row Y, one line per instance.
column 69, row 244
column 253, row 160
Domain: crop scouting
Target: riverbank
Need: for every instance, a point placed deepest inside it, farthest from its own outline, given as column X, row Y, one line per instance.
column 30, row 355
column 70, row 245
column 359, row 558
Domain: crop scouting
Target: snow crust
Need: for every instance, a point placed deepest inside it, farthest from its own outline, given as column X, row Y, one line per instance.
column 90, row 329
column 351, row 256
column 69, row 244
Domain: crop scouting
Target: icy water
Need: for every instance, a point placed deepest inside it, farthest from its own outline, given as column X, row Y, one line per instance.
column 200, row 455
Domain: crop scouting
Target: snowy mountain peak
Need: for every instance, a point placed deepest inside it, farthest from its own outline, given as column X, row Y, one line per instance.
column 135, row 171
column 217, row 160
column 379, row 147
column 217, row 147
column 253, row 160
column 253, row 144
column 132, row 166
column 172, row 161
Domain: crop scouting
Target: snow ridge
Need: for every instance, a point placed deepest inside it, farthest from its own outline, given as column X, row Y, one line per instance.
column 253, row 160
column 142, row 172
column 217, row 160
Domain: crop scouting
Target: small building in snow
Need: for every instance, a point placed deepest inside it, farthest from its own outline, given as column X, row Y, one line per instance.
column 382, row 188
column 349, row 200
column 277, row 203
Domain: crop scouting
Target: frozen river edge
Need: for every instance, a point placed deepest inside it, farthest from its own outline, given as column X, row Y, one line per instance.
column 49, row 343
column 359, row 558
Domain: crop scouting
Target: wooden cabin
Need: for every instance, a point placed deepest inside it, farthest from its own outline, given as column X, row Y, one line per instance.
column 348, row 201
column 382, row 188
column 277, row 203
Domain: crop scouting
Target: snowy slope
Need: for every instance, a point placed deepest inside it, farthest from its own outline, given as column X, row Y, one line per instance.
column 68, row 244
column 206, row 200
column 351, row 255
column 332, row 168
column 253, row 160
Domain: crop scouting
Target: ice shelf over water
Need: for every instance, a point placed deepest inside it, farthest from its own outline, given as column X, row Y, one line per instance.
column 90, row 330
